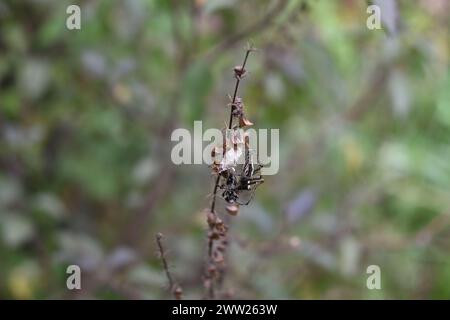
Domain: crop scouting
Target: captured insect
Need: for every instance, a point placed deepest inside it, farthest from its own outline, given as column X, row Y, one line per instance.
column 240, row 188
column 230, row 194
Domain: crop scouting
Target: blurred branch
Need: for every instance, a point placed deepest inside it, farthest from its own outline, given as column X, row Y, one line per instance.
column 135, row 231
column 259, row 26
column 174, row 288
column 371, row 94
column 362, row 105
column 217, row 229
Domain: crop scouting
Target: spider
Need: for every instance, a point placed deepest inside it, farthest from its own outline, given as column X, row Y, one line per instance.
column 230, row 194
column 238, row 186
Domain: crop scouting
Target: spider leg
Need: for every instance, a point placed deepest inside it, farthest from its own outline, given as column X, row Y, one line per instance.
column 257, row 180
column 249, row 200
column 246, row 203
column 258, row 168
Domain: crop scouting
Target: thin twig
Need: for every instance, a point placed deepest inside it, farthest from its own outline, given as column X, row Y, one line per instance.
column 174, row 288
column 260, row 25
column 214, row 222
column 133, row 233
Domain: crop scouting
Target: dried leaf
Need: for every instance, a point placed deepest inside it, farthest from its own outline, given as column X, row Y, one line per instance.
column 244, row 122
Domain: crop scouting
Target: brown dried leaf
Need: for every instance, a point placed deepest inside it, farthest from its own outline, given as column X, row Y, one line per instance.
column 244, row 122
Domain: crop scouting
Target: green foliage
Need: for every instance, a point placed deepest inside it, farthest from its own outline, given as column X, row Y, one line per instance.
column 85, row 123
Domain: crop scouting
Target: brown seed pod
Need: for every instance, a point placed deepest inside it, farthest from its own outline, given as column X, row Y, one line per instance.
column 239, row 71
column 221, row 228
column 238, row 107
column 213, row 235
column 207, row 283
column 219, row 223
column 178, row 292
column 232, row 210
column 218, row 257
column 212, row 270
column 211, row 218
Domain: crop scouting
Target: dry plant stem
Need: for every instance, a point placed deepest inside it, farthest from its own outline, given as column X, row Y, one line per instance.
column 175, row 290
column 211, row 284
column 230, row 122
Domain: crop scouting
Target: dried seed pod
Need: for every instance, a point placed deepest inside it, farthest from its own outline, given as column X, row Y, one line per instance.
column 211, row 218
column 237, row 113
column 219, row 223
column 212, row 270
column 232, row 209
column 238, row 102
column 213, row 235
column 218, row 257
column 221, row 228
column 228, row 294
column 207, row 283
column 238, row 108
column 178, row 292
column 239, row 71
column 244, row 122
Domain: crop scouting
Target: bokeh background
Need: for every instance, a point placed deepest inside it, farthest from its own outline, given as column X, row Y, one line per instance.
column 85, row 123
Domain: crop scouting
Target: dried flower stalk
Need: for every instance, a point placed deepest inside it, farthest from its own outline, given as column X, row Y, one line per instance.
column 217, row 229
column 174, row 288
